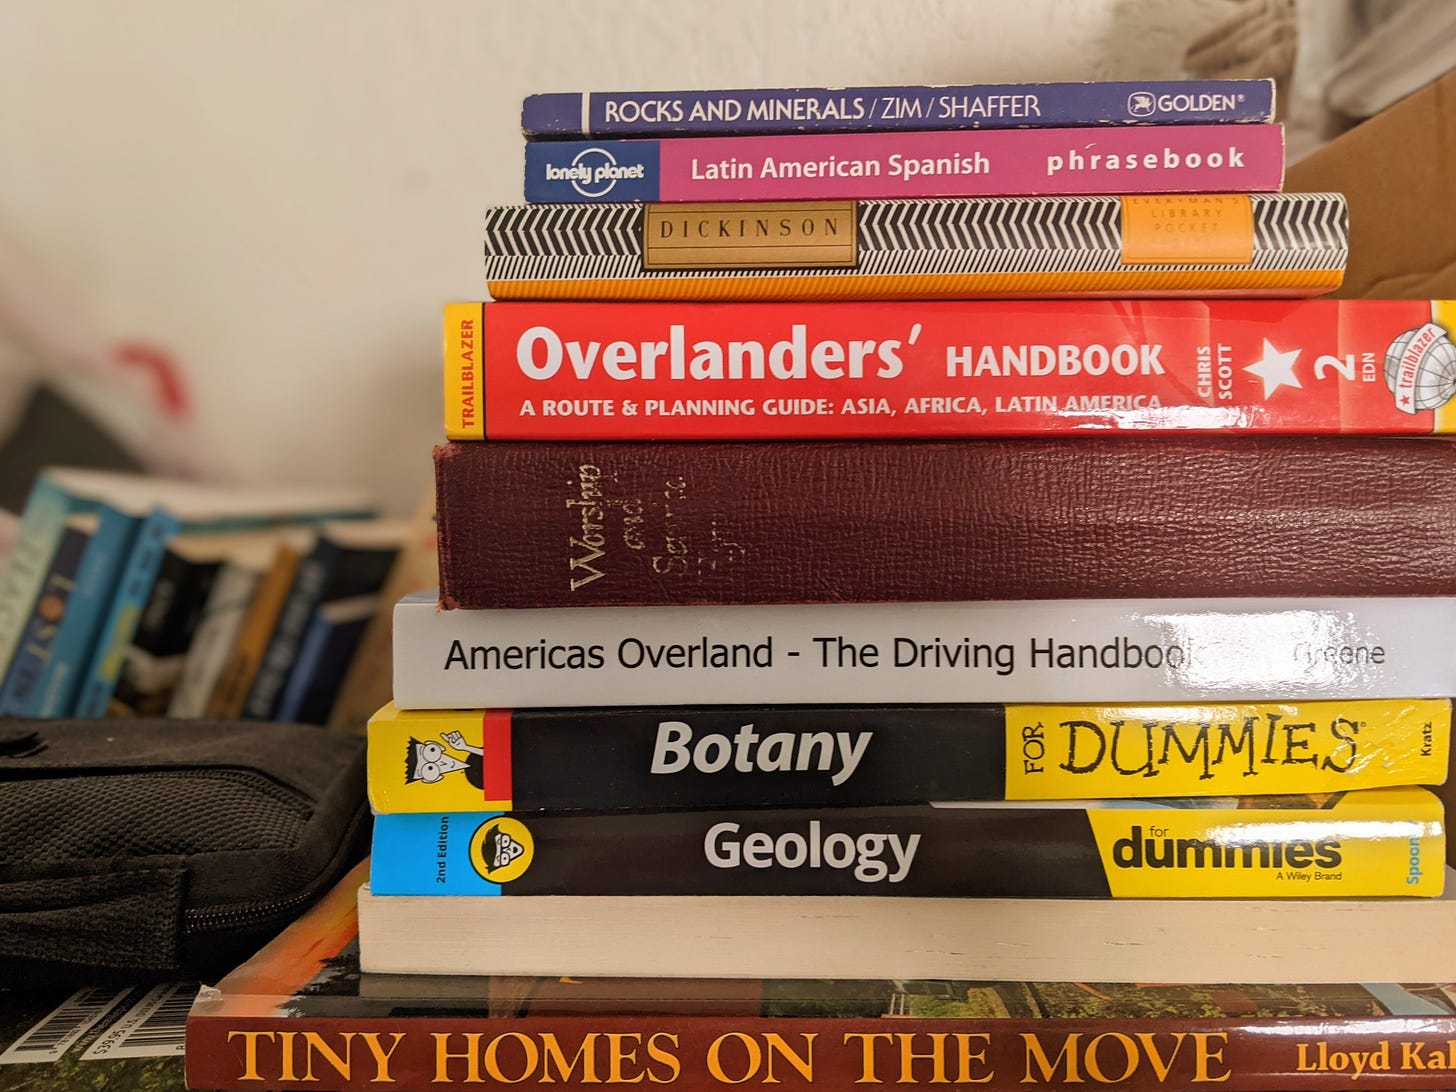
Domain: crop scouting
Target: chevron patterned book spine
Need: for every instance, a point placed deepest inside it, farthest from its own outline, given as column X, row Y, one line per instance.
column 850, row 166
column 1266, row 244
column 892, row 109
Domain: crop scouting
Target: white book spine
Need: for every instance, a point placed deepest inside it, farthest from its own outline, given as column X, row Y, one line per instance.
column 1097, row 650
column 217, row 630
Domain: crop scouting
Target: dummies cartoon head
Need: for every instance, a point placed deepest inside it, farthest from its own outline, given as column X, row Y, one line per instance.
column 428, row 761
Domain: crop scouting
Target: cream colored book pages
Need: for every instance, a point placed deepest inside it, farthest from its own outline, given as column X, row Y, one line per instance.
column 1048, row 940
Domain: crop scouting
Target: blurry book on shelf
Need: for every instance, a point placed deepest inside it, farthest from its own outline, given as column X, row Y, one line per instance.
column 303, row 1005
column 239, row 581
column 196, row 508
column 367, row 686
column 181, row 593
column 245, row 655
column 56, row 494
column 341, row 576
column 21, row 689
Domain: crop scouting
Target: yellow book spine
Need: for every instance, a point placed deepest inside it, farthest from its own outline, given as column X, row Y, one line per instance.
column 464, row 381
column 437, row 760
column 1443, row 314
column 1067, row 752
column 1371, row 842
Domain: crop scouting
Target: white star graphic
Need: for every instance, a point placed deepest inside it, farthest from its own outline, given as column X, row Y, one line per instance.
column 1276, row 369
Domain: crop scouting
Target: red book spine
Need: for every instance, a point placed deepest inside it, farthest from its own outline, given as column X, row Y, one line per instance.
column 749, row 371
column 334, row 1054
column 1073, row 517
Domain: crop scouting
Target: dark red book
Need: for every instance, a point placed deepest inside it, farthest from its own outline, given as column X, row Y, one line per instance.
column 1067, row 517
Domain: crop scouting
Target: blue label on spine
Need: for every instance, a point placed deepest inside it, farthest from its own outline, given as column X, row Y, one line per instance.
column 576, row 171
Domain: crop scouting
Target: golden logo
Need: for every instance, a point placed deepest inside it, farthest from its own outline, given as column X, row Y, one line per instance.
column 751, row 235
column 501, row 849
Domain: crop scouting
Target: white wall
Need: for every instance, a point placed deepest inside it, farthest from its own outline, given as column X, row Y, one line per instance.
column 283, row 193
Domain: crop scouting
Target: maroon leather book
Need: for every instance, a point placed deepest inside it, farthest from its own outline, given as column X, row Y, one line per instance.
column 580, row 524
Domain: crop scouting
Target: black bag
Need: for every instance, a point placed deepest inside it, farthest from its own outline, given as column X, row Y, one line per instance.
column 156, row 848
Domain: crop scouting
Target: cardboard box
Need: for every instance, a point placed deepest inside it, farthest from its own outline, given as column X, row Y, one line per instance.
column 1398, row 173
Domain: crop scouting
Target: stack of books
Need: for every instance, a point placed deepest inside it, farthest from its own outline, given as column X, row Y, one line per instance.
column 964, row 676
column 134, row 595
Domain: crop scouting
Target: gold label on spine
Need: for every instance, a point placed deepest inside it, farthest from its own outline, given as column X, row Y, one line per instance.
column 1188, row 229
column 779, row 235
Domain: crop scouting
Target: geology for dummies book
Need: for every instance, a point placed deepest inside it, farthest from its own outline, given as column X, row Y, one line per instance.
column 602, row 759
column 1264, row 244
column 301, row 1014
column 1360, row 843
column 748, row 111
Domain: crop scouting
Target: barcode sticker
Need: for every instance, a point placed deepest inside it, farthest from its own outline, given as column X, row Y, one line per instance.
column 154, row 1027
column 66, row 1023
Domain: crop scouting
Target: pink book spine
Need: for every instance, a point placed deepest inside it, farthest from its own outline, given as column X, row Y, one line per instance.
column 1173, row 159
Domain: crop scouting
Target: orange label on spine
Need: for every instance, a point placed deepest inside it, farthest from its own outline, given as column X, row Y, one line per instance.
column 1183, row 229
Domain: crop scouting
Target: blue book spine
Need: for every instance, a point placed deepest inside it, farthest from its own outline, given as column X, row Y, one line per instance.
column 281, row 658
column 96, row 579
column 305, row 667
column 18, row 696
column 895, row 109
column 132, row 592
column 458, row 845
column 42, row 523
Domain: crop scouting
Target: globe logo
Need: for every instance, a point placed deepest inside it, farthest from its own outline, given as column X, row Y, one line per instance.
column 598, row 162
column 1420, row 368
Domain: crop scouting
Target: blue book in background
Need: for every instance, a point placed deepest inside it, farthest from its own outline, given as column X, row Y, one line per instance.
column 323, row 659
column 20, row 693
column 349, row 560
column 96, row 581
column 578, row 115
column 194, row 508
column 58, row 494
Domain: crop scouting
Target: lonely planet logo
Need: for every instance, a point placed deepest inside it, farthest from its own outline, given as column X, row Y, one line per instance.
column 593, row 172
